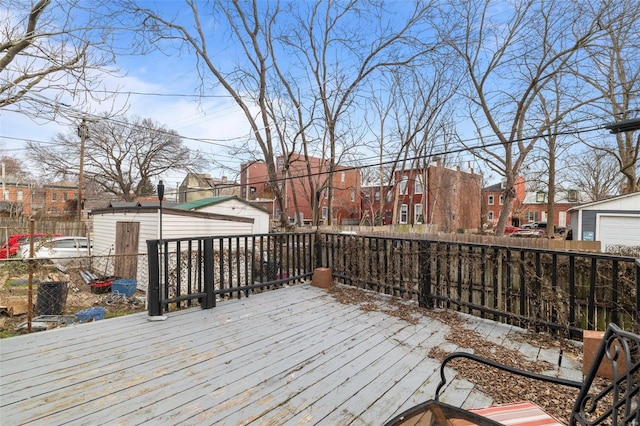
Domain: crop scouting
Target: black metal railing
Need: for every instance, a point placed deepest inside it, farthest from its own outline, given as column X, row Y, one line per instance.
column 186, row 272
column 553, row 290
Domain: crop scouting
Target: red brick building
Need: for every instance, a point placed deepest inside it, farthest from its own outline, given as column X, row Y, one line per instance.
column 26, row 199
column 528, row 206
column 493, row 200
column 293, row 179
column 449, row 198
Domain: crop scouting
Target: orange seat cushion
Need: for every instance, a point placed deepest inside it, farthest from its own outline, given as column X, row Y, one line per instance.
column 520, row 414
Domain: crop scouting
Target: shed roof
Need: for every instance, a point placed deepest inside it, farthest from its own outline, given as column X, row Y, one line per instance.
column 145, row 209
column 602, row 203
column 195, row 205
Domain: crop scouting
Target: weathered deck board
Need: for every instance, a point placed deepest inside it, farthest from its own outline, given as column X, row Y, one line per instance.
column 290, row 356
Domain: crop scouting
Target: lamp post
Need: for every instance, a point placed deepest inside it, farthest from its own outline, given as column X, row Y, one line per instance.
column 155, row 292
column 160, row 190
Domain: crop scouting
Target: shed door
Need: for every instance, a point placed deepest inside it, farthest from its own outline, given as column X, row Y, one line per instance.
column 126, row 259
column 618, row 230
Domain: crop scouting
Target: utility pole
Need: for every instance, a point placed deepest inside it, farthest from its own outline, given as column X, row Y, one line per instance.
column 82, row 132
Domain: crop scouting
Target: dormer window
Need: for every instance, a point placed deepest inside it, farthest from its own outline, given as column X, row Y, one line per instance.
column 541, row 196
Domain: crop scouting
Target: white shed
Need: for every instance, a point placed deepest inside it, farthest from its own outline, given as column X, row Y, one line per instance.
column 234, row 206
column 124, row 231
column 613, row 222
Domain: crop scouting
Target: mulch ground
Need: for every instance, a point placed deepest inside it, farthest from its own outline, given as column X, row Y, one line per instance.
column 502, row 387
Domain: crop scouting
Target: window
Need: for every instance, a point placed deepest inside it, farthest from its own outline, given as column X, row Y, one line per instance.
column 404, row 186
column 376, row 195
column 64, row 196
column 490, row 200
column 5, row 195
column 532, row 216
column 404, row 213
column 540, row 196
column 325, row 213
column 20, row 195
column 343, row 177
column 501, row 201
column 54, row 196
column 418, row 188
column 389, row 196
column 572, row 195
column 69, row 243
column 417, row 214
column 490, row 216
column 353, row 196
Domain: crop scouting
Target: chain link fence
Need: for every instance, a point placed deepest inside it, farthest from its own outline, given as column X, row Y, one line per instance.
column 51, row 293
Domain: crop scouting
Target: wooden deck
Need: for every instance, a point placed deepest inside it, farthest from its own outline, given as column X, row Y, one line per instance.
column 293, row 356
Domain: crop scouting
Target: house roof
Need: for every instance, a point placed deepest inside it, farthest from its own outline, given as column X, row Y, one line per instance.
column 624, row 197
column 562, row 197
column 211, row 201
column 124, row 204
column 493, row 188
column 137, row 208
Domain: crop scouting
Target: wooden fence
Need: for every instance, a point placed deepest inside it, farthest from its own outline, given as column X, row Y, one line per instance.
column 10, row 226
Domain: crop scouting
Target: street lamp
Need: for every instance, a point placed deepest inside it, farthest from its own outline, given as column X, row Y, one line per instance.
column 160, row 190
column 155, row 293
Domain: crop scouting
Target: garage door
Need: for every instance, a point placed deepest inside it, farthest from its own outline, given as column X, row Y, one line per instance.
column 618, row 230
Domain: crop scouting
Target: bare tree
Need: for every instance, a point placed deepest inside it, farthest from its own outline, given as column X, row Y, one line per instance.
column 246, row 81
column 612, row 69
column 594, row 173
column 509, row 59
column 122, row 157
column 50, row 52
column 328, row 39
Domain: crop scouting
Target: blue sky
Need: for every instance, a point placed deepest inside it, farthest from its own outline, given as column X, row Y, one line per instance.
column 207, row 124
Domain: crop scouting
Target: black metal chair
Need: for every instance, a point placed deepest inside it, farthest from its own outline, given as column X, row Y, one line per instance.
column 616, row 403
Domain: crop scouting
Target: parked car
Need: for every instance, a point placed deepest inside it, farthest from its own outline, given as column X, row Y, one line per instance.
column 535, row 225
column 59, row 249
column 11, row 247
column 529, row 233
column 511, row 229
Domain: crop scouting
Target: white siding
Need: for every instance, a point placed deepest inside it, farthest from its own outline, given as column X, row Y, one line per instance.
column 238, row 208
column 173, row 226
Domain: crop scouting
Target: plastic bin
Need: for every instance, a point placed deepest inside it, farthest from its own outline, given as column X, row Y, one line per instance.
column 52, row 297
column 90, row 314
column 126, row 287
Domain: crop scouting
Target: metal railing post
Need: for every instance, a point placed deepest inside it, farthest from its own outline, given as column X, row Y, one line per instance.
column 155, row 305
column 209, row 288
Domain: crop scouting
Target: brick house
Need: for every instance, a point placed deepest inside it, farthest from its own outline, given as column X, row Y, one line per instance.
column 493, row 200
column 528, row 206
column 297, row 193
column 196, row 186
column 447, row 197
column 534, row 207
column 16, row 198
column 26, row 199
